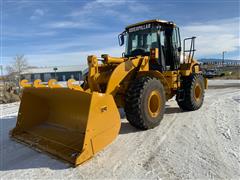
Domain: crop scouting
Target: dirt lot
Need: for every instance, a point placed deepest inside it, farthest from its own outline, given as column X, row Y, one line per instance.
column 201, row 144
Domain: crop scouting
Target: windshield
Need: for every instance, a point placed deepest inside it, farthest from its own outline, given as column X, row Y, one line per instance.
column 140, row 42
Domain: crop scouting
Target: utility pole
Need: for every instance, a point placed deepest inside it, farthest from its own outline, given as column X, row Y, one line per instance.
column 223, row 53
column 55, row 69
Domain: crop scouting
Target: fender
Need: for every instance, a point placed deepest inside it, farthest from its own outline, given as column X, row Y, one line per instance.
column 122, row 70
column 160, row 76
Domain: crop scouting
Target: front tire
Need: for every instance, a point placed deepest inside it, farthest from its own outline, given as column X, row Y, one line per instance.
column 145, row 103
column 193, row 89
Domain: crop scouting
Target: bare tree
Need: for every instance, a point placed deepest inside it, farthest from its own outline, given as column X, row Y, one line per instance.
column 15, row 69
column 19, row 64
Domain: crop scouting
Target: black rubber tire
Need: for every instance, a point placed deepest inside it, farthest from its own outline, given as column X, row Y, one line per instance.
column 189, row 103
column 136, row 103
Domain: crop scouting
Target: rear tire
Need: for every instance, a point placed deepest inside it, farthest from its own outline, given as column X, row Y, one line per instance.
column 193, row 88
column 145, row 103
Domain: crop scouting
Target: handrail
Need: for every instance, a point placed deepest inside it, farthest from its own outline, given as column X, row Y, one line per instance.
column 191, row 50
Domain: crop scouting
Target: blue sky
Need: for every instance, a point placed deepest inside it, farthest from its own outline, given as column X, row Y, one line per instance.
column 64, row 32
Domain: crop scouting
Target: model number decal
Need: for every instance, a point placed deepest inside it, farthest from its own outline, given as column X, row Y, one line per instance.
column 138, row 28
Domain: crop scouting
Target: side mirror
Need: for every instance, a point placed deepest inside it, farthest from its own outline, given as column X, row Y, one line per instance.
column 121, row 39
column 179, row 49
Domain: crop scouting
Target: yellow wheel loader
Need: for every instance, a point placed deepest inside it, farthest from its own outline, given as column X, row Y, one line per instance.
column 75, row 122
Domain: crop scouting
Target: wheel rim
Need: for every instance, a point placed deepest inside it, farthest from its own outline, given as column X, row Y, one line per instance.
column 154, row 103
column 197, row 92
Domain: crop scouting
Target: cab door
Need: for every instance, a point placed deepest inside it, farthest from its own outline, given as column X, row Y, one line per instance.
column 176, row 47
column 170, row 47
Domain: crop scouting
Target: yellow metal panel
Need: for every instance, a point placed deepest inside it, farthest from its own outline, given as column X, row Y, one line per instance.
column 196, row 69
column 185, row 72
column 104, row 120
column 154, row 53
column 69, row 124
column 172, row 78
column 187, row 68
column 93, row 73
column 120, row 72
column 206, row 83
column 109, row 59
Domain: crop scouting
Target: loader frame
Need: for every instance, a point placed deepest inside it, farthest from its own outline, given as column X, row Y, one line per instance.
column 75, row 122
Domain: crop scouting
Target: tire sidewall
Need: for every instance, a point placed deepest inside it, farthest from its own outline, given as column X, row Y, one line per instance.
column 152, row 85
column 197, row 80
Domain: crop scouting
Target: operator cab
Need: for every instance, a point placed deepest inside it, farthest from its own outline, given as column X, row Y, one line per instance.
column 159, row 35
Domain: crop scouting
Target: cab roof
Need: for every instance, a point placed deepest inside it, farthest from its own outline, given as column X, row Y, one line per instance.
column 153, row 21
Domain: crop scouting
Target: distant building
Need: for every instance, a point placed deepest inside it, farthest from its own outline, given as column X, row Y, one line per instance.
column 61, row 73
column 219, row 62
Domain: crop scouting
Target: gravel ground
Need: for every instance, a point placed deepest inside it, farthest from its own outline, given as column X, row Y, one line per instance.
column 187, row 145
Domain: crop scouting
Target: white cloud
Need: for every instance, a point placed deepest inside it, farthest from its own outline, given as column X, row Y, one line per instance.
column 25, row 34
column 213, row 37
column 87, row 16
column 138, row 7
column 37, row 14
column 67, row 24
column 65, row 59
column 86, row 42
column 78, row 24
column 96, row 6
column 73, row 58
column 92, row 10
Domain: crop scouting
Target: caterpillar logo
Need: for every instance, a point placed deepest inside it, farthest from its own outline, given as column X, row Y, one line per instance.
column 138, row 28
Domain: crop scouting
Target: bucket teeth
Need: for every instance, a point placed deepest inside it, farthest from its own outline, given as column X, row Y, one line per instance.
column 37, row 84
column 52, row 83
column 74, row 86
column 24, row 83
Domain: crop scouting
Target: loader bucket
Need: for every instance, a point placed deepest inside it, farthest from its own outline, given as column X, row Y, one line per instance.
column 69, row 124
